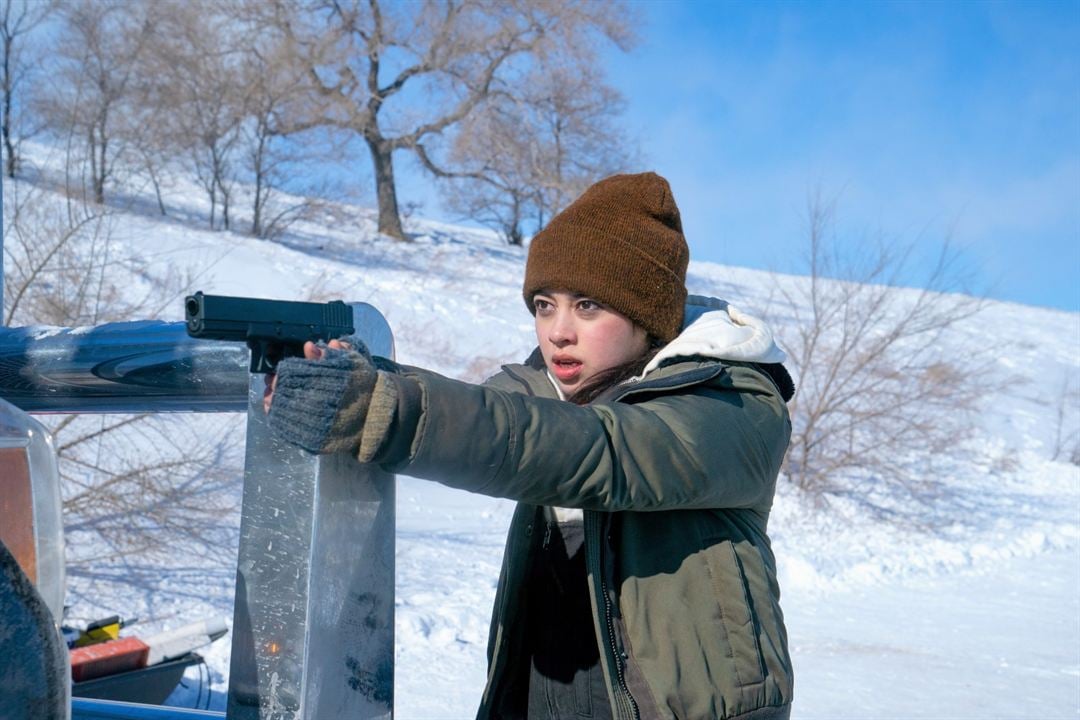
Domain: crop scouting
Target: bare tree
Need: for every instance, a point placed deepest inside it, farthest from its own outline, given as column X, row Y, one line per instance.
column 264, row 98
column 527, row 156
column 396, row 74
column 217, row 94
column 581, row 143
column 194, row 76
column 499, row 191
column 270, row 88
column 87, row 102
column 18, row 19
column 879, row 396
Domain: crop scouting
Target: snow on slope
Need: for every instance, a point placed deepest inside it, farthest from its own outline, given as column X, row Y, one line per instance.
column 452, row 298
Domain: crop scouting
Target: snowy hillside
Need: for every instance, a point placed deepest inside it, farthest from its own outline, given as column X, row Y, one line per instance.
column 977, row 617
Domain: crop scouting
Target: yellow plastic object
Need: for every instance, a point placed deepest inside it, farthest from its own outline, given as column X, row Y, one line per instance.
column 100, row 631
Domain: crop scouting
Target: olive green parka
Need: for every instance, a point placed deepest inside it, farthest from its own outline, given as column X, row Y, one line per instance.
column 675, row 473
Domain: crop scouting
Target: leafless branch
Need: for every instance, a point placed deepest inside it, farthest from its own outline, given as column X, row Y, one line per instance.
column 141, row 484
column 879, row 395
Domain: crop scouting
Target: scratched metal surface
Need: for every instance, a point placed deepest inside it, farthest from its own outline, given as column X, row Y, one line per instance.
column 314, row 614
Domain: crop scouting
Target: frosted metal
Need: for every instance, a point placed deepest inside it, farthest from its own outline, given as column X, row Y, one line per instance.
column 314, row 612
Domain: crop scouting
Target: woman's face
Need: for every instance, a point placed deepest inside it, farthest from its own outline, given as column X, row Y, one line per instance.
column 579, row 337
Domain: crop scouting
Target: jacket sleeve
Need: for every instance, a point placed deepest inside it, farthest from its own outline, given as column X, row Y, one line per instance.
column 715, row 445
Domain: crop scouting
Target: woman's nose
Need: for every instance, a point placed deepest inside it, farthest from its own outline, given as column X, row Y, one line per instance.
column 562, row 331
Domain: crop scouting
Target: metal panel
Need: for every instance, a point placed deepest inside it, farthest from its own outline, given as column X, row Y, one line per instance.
column 314, row 611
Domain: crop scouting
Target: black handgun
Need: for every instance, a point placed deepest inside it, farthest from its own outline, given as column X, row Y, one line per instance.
column 273, row 329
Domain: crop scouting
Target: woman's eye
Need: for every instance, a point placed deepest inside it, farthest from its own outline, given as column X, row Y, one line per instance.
column 588, row 305
column 541, row 305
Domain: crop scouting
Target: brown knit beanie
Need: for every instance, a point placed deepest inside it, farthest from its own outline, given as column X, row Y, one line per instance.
column 620, row 243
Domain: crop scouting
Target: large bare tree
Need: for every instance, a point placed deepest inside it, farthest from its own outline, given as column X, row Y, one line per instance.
column 397, row 74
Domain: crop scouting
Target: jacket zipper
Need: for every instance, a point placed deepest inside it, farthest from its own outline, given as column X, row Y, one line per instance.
column 632, row 705
column 626, row 706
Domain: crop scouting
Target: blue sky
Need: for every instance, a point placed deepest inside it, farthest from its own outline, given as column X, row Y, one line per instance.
column 924, row 120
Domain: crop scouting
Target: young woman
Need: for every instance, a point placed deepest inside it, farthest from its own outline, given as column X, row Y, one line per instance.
column 642, row 440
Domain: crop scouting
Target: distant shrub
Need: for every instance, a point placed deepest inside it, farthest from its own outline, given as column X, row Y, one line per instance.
column 878, row 396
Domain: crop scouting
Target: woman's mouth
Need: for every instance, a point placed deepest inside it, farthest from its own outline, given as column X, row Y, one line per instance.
column 566, row 369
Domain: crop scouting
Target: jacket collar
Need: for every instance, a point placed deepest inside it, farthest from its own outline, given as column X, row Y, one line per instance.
column 714, row 329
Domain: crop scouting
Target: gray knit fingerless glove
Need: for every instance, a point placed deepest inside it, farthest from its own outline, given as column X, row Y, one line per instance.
column 339, row 403
column 309, row 394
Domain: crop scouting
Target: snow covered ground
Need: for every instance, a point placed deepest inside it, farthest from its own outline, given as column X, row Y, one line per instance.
column 978, row 617
column 994, row 642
